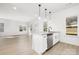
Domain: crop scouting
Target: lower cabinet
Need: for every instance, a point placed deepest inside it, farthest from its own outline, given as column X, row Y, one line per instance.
column 55, row 38
column 40, row 43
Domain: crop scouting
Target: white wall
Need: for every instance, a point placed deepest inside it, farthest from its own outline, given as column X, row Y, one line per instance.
column 12, row 27
column 59, row 20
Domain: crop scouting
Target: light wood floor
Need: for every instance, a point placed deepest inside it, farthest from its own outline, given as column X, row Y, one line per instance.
column 63, row 49
column 21, row 45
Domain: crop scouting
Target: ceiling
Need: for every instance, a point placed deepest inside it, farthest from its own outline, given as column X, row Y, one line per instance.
column 27, row 11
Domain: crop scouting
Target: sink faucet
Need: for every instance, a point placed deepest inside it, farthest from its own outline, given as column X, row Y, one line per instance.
column 49, row 29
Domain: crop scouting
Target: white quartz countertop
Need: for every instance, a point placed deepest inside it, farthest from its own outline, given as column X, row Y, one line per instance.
column 45, row 33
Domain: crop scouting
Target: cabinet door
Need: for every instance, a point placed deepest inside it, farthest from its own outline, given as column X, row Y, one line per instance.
column 55, row 38
column 44, row 42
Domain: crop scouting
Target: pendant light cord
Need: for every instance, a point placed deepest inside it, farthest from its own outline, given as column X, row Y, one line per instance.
column 39, row 8
column 49, row 14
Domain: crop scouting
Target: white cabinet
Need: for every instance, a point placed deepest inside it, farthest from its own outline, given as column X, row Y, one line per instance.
column 39, row 43
column 42, row 42
column 55, row 38
column 44, row 39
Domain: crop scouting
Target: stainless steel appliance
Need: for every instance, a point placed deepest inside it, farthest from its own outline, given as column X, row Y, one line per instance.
column 49, row 40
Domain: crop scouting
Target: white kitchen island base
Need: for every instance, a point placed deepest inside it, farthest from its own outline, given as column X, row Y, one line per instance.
column 40, row 41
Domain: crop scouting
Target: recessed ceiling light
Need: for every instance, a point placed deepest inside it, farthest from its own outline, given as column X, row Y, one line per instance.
column 39, row 17
column 14, row 8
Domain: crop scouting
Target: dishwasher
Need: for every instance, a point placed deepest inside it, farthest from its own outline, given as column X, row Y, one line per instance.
column 49, row 41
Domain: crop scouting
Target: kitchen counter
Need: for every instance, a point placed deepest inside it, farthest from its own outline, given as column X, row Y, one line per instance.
column 44, row 40
column 45, row 33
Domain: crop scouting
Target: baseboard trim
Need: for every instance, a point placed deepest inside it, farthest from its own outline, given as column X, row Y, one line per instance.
column 69, row 44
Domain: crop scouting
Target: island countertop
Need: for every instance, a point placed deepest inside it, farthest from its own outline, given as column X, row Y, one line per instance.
column 45, row 33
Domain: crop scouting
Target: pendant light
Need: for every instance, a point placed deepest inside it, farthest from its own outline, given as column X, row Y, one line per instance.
column 45, row 21
column 45, row 14
column 39, row 5
column 50, row 15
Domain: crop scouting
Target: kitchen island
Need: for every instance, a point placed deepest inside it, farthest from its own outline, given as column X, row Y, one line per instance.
column 43, row 41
